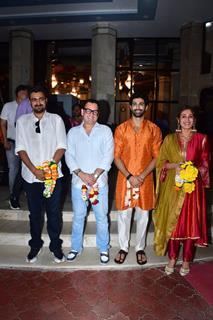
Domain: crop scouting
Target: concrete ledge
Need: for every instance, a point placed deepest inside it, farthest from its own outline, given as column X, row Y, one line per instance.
column 14, row 257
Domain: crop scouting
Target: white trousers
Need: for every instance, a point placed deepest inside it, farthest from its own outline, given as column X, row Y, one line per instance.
column 124, row 223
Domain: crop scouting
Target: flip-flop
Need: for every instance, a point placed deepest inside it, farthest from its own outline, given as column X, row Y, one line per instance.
column 122, row 256
column 139, row 257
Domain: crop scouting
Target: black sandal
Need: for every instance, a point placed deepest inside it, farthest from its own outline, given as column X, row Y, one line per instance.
column 139, row 257
column 122, row 256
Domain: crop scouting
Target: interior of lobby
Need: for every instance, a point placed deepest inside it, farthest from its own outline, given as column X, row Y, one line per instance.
column 149, row 43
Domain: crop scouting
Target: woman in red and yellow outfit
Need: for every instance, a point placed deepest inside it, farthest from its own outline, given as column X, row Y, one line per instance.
column 180, row 217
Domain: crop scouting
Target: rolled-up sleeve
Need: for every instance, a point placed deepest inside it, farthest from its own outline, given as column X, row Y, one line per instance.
column 108, row 150
column 20, row 138
column 61, row 134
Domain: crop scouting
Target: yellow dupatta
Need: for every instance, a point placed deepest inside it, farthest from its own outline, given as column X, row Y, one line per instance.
column 169, row 202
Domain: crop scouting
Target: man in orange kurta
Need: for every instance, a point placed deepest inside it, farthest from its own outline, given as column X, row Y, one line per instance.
column 137, row 144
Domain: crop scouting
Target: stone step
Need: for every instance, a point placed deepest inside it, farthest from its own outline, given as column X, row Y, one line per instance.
column 14, row 232
column 23, row 215
column 15, row 257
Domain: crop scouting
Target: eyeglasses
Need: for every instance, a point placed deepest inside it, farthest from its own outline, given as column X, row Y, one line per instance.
column 37, row 129
column 90, row 111
column 41, row 99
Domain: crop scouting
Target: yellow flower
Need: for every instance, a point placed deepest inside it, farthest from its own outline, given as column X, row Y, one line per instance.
column 189, row 187
column 189, row 173
column 179, row 184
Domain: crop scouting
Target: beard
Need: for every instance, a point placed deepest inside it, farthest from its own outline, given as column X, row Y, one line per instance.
column 138, row 113
column 39, row 109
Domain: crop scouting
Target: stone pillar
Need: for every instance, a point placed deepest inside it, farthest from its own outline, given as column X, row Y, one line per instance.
column 21, row 59
column 190, row 68
column 103, row 64
column 164, row 92
column 174, row 108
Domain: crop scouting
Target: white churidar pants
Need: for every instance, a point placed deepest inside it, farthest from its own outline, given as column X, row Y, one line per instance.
column 124, row 223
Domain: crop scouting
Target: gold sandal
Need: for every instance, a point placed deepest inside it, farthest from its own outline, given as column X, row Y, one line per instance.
column 184, row 271
column 169, row 270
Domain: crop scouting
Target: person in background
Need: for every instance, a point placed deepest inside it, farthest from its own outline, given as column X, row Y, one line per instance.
column 8, row 130
column 180, row 215
column 24, row 107
column 89, row 156
column 137, row 144
column 41, row 143
column 76, row 118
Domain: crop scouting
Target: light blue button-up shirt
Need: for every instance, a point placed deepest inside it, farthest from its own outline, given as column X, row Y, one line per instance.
column 89, row 152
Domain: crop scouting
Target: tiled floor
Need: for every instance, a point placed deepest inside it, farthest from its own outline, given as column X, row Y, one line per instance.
column 142, row 294
column 101, row 293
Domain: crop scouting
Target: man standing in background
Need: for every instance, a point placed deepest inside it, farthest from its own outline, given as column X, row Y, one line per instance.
column 8, row 130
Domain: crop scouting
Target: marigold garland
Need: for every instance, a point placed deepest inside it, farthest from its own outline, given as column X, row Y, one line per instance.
column 91, row 194
column 50, row 169
column 131, row 193
column 185, row 178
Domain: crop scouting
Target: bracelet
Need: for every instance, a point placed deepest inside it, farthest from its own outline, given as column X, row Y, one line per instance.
column 129, row 176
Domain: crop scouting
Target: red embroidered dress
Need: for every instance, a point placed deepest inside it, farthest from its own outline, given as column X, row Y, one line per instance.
column 181, row 215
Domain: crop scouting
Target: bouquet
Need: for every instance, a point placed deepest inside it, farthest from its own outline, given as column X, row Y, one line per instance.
column 50, row 169
column 91, row 194
column 186, row 177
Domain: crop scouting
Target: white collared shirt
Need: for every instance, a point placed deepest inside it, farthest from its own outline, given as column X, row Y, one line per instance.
column 39, row 146
column 89, row 152
column 8, row 113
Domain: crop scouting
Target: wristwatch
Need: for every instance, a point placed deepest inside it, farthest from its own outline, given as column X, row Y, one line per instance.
column 96, row 176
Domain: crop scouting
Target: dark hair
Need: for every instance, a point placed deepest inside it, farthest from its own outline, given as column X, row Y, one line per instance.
column 77, row 104
column 186, row 107
column 39, row 88
column 139, row 95
column 21, row 87
column 91, row 101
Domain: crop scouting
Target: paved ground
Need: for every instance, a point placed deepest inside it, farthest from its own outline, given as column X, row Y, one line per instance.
column 131, row 294
column 143, row 294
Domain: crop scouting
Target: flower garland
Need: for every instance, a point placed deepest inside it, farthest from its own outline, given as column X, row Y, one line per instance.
column 185, row 178
column 131, row 193
column 91, row 195
column 50, row 169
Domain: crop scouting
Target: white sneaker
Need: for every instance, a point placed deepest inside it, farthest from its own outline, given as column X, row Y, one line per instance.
column 104, row 257
column 72, row 255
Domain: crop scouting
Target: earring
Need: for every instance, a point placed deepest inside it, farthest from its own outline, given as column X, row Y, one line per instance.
column 193, row 128
column 178, row 128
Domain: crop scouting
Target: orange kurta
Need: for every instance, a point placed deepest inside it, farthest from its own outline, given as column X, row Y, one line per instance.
column 136, row 150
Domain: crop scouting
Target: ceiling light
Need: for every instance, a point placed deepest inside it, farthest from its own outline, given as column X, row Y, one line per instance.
column 208, row 24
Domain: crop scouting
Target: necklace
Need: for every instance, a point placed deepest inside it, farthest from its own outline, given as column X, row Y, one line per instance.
column 185, row 138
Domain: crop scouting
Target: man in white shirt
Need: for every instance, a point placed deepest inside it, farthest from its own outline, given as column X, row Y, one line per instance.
column 8, row 130
column 89, row 156
column 41, row 136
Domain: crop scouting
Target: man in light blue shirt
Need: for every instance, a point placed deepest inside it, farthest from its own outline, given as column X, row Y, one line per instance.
column 89, row 156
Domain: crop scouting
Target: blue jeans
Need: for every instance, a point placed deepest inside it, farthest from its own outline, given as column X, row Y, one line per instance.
column 13, row 164
column 37, row 204
column 79, row 215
